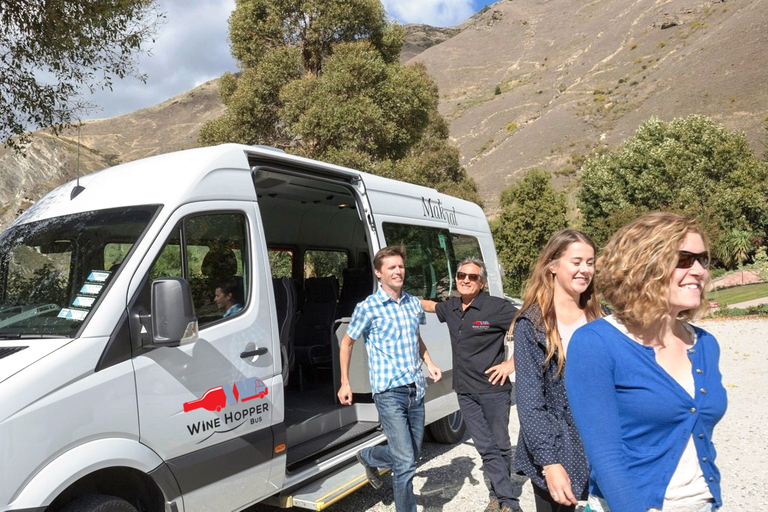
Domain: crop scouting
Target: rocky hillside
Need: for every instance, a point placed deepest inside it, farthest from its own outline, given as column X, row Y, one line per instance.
column 420, row 37
column 524, row 84
column 50, row 161
column 540, row 83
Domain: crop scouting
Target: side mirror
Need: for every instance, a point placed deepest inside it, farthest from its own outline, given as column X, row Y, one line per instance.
column 173, row 312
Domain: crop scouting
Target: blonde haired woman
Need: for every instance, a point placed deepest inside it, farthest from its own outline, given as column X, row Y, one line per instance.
column 559, row 297
column 644, row 384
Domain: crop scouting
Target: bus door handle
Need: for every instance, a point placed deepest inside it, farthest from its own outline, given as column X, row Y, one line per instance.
column 252, row 353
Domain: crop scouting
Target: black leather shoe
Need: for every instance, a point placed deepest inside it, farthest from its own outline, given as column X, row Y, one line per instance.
column 371, row 473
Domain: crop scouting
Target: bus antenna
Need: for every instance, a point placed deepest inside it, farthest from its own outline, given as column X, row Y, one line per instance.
column 76, row 191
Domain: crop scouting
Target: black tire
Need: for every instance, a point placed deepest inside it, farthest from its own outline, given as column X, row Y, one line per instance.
column 448, row 430
column 98, row 503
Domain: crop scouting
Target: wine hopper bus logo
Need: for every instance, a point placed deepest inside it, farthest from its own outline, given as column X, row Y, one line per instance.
column 218, row 398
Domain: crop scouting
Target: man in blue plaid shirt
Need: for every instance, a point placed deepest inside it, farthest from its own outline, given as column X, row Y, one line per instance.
column 390, row 320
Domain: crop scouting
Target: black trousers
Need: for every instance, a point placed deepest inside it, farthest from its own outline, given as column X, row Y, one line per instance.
column 487, row 418
column 545, row 503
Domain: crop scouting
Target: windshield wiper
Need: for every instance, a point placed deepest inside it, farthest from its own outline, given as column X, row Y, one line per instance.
column 18, row 336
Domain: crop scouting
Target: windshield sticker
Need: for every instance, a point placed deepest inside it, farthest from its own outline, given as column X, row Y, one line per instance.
column 218, row 398
column 72, row 314
column 91, row 289
column 83, row 302
column 98, row 276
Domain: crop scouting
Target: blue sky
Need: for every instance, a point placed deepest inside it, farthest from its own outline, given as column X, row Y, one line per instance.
column 191, row 48
column 440, row 13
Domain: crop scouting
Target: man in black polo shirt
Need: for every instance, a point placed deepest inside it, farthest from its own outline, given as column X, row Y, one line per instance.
column 478, row 324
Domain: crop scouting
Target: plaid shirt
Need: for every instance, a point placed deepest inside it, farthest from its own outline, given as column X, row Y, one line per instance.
column 391, row 332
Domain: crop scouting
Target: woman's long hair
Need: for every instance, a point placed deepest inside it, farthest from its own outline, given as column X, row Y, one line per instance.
column 540, row 290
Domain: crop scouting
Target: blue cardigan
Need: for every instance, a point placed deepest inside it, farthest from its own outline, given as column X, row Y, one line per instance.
column 635, row 419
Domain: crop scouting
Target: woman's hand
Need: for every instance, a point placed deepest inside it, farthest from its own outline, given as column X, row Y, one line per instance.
column 559, row 484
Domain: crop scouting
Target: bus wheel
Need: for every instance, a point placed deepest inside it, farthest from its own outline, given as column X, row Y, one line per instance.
column 98, row 503
column 448, row 430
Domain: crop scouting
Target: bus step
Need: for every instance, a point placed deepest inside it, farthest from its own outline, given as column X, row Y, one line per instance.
column 322, row 493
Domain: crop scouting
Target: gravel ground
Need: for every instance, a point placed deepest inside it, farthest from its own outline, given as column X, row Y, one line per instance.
column 449, row 478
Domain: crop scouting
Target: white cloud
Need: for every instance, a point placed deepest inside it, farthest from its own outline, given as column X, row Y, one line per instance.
column 190, row 48
column 439, row 13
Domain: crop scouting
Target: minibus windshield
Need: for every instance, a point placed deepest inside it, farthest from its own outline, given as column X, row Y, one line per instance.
column 53, row 272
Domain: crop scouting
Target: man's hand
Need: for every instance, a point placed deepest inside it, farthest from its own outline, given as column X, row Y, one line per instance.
column 500, row 372
column 345, row 394
column 559, row 484
column 435, row 373
column 345, row 355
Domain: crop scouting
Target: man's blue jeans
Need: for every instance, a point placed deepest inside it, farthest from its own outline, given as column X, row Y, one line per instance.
column 402, row 417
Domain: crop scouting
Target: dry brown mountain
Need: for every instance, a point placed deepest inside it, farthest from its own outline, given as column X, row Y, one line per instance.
column 420, row 37
column 570, row 76
column 168, row 126
column 576, row 74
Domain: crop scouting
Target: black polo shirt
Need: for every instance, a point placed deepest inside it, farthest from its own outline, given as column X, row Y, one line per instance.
column 477, row 339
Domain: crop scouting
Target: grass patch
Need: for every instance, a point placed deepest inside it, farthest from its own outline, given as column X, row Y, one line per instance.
column 761, row 310
column 739, row 293
column 485, row 146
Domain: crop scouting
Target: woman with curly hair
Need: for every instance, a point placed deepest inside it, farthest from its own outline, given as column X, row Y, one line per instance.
column 559, row 298
column 644, row 384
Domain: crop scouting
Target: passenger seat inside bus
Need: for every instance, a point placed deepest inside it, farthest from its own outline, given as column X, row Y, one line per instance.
column 358, row 284
column 285, row 302
column 312, row 342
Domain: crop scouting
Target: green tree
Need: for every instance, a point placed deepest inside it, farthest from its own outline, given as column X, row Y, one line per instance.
column 765, row 143
column 50, row 51
column 321, row 79
column 431, row 162
column 313, row 27
column 692, row 166
column 531, row 211
column 735, row 247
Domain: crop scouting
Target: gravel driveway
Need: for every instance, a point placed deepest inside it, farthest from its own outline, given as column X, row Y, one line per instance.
column 449, row 478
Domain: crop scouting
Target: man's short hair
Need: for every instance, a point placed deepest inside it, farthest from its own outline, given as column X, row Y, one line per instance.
column 232, row 287
column 386, row 252
column 477, row 262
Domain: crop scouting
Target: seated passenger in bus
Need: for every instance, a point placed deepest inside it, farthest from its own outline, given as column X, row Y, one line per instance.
column 229, row 297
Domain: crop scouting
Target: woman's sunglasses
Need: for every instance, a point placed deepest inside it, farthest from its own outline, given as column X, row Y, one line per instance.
column 687, row 259
column 463, row 275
